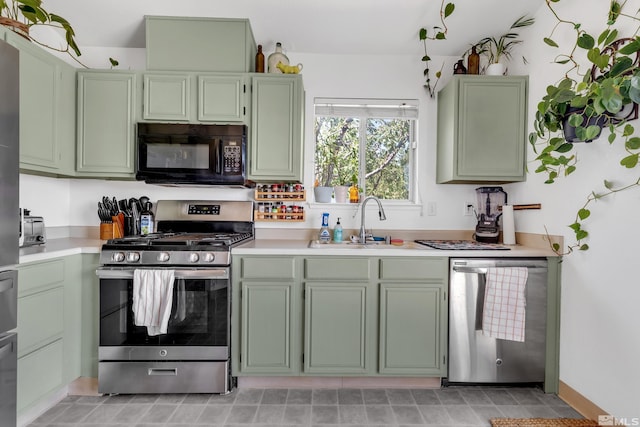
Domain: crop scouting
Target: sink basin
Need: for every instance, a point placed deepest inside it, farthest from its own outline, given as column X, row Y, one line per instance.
column 315, row 244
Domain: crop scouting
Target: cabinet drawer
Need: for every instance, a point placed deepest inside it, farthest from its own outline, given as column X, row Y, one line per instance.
column 39, row 373
column 268, row 268
column 40, row 319
column 413, row 268
column 38, row 275
column 337, row 268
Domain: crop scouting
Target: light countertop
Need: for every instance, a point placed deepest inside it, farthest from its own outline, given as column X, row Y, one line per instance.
column 408, row 248
column 55, row 248
column 72, row 246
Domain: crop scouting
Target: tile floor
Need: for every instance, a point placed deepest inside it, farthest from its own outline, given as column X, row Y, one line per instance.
column 451, row 406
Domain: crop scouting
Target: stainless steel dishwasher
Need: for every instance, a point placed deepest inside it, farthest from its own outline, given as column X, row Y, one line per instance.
column 476, row 358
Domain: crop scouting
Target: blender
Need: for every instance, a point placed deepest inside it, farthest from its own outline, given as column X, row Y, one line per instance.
column 490, row 200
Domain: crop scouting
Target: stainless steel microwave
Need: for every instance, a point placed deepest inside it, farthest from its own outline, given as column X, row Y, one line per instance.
column 192, row 154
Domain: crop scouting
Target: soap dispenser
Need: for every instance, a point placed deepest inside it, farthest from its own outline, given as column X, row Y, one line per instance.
column 324, row 236
column 337, row 232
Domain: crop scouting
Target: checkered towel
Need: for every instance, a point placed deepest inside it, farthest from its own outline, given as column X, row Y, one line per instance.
column 504, row 303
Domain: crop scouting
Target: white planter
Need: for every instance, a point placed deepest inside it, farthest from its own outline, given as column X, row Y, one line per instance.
column 496, row 69
column 323, row 194
column 341, row 192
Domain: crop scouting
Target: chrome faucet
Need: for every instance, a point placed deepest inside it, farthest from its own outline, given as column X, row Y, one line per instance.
column 363, row 233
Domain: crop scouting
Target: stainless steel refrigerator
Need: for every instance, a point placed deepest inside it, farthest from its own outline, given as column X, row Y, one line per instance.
column 9, row 230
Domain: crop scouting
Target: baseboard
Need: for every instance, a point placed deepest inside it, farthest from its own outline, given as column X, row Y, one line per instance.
column 84, row 386
column 338, row 382
column 584, row 406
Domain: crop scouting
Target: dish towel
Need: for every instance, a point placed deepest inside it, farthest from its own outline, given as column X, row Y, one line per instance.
column 152, row 299
column 504, row 310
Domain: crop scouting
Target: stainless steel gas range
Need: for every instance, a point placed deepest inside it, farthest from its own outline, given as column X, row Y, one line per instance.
column 165, row 300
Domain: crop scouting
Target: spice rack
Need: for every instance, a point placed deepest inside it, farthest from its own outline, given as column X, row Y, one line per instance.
column 279, row 206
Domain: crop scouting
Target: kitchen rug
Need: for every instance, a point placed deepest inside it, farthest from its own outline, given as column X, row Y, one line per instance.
column 541, row 422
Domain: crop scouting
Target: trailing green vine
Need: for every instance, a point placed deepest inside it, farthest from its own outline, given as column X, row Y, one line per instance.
column 604, row 96
column 437, row 33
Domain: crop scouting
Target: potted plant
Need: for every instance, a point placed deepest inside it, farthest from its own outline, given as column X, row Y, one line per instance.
column 500, row 47
column 603, row 94
column 21, row 15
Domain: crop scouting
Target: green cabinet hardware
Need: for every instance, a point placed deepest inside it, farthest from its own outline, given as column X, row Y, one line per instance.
column 482, row 130
column 106, row 123
column 199, row 44
column 277, row 114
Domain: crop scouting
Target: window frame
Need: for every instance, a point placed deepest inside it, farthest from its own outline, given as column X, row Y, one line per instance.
column 364, row 109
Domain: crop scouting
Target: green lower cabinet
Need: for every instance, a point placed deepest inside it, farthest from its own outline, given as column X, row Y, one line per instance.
column 267, row 330
column 411, row 329
column 336, row 334
column 52, row 315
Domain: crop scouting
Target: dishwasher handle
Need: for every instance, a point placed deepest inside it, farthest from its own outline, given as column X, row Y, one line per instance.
column 483, row 270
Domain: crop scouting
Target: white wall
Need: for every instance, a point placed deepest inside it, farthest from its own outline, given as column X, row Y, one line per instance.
column 600, row 342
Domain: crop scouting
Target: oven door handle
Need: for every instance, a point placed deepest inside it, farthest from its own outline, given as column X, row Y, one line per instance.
column 110, row 273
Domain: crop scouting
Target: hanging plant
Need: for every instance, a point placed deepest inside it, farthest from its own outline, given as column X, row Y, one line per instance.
column 436, row 33
column 603, row 94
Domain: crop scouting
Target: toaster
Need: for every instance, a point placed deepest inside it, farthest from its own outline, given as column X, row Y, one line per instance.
column 31, row 230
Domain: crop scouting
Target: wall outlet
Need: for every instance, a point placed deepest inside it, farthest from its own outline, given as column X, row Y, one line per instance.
column 468, row 209
column 432, row 208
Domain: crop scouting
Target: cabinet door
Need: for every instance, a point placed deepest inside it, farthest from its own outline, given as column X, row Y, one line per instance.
column 482, row 130
column 411, row 329
column 220, row 98
column 266, row 331
column 166, row 97
column 39, row 76
column 336, row 332
column 106, row 123
column 276, row 128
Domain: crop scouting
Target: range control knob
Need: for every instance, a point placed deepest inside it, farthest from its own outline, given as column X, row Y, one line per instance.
column 208, row 257
column 133, row 256
column 194, row 257
column 117, row 257
column 163, row 256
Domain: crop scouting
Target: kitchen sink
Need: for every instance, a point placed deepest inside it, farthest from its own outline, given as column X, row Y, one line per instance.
column 316, row 244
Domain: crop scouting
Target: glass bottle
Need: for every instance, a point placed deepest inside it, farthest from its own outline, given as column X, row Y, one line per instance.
column 459, row 68
column 259, row 60
column 354, row 194
column 276, row 57
column 473, row 62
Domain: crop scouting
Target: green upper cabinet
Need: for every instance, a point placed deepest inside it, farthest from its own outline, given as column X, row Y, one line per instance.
column 482, row 127
column 166, row 97
column 194, row 98
column 47, row 110
column 277, row 113
column 106, row 123
column 199, row 44
column 221, row 98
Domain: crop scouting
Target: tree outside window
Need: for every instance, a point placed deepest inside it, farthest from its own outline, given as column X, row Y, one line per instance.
column 370, row 144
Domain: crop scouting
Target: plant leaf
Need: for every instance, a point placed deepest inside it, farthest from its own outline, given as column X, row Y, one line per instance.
column 633, row 143
column 586, row 41
column 423, row 33
column 564, row 148
column 448, row 9
column 581, row 234
column 631, row 47
column 584, row 214
column 630, row 161
column 550, row 42
column 440, row 36
column 584, row 247
column 608, row 184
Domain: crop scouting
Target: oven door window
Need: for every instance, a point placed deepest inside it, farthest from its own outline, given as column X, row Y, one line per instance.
column 199, row 314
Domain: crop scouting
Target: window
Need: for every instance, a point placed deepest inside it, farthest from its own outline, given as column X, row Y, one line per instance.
column 367, row 142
